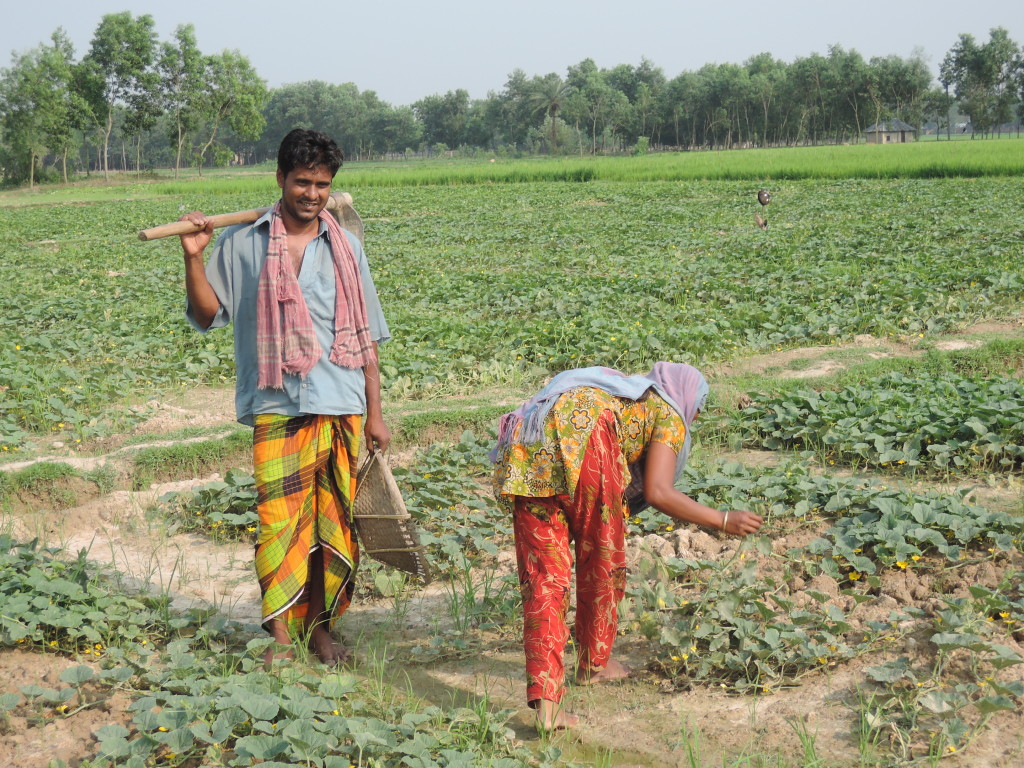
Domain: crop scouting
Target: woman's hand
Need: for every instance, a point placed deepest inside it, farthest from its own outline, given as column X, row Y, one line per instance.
column 739, row 522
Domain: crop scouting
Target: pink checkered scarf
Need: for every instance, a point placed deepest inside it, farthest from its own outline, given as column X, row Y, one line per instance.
column 285, row 339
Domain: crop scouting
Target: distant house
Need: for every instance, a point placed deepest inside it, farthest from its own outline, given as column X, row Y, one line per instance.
column 893, row 131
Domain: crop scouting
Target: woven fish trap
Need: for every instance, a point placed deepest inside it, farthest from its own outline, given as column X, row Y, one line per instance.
column 386, row 530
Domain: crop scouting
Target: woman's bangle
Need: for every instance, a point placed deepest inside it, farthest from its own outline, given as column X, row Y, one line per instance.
column 725, row 520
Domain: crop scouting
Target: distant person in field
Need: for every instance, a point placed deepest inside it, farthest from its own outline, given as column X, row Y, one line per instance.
column 571, row 463
column 307, row 322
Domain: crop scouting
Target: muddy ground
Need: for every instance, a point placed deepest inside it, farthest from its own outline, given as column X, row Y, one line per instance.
column 644, row 721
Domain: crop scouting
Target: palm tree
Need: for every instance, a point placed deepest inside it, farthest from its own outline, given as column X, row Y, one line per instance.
column 547, row 94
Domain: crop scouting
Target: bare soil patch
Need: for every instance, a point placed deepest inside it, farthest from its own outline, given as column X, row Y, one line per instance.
column 35, row 738
column 819, row 361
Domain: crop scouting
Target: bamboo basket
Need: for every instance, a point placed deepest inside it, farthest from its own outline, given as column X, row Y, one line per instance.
column 386, row 530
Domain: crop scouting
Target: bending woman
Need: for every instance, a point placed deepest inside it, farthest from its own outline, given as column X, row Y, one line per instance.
column 571, row 463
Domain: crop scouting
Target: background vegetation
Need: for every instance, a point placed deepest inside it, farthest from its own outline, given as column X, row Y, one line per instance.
column 133, row 102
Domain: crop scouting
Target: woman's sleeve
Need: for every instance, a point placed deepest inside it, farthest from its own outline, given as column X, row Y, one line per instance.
column 666, row 425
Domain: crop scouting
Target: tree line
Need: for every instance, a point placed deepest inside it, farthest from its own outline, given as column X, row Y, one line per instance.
column 133, row 102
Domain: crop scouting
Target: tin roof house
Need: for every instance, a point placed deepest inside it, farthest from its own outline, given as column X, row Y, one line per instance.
column 893, row 131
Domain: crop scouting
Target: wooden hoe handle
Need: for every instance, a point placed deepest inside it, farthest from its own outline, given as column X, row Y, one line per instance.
column 227, row 219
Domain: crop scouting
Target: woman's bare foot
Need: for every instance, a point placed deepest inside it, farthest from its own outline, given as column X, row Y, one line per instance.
column 551, row 717
column 326, row 648
column 615, row 670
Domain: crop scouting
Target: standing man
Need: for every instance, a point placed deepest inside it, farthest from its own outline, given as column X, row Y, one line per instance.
column 307, row 322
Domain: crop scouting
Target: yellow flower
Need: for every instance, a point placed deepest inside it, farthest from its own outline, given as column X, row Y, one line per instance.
column 162, row 728
column 675, row 658
column 854, row 575
column 902, row 565
column 915, row 558
column 335, row 712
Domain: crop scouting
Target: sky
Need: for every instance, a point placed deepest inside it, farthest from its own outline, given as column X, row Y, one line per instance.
column 407, row 49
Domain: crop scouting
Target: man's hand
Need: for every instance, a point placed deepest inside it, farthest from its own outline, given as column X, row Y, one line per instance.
column 195, row 243
column 200, row 293
column 377, row 434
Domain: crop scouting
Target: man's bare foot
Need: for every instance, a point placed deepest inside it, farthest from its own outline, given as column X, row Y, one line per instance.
column 615, row 670
column 326, row 648
column 278, row 631
column 551, row 717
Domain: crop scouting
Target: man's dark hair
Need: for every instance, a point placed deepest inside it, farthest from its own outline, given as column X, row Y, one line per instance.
column 308, row 149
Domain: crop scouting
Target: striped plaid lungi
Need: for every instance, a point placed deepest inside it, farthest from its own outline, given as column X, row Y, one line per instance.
column 305, row 471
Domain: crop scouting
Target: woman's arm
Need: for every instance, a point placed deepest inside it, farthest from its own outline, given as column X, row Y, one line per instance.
column 660, row 493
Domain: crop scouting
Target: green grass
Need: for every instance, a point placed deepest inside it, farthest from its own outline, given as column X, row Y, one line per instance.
column 918, row 160
column 190, row 459
column 51, row 483
column 431, row 426
column 996, row 357
column 926, row 160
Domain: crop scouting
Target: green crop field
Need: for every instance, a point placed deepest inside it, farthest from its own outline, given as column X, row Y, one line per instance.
column 889, row 573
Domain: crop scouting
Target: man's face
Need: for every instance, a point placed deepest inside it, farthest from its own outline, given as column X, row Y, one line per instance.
column 304, row 192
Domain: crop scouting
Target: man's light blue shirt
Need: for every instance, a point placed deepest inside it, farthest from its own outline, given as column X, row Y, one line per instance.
column 234, row 272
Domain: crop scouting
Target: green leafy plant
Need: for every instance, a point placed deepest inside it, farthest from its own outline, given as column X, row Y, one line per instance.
column 945, row 423
column 226, row 509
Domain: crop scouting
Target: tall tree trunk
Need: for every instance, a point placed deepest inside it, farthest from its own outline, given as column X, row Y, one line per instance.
column 213, row 137
column 177, row 156
column 64, row 164
column 106, row 143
